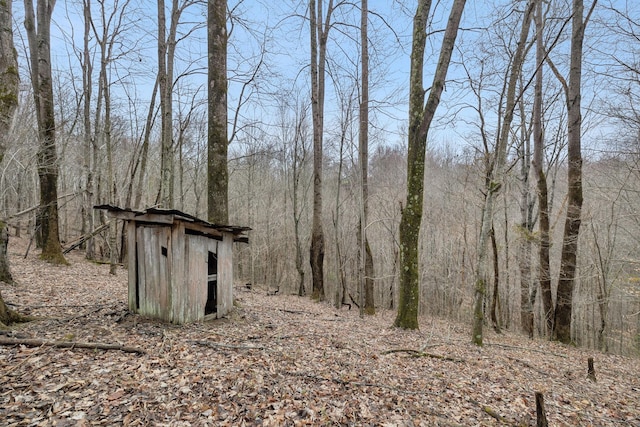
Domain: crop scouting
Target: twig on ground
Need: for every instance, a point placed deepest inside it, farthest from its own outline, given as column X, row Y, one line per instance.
column 294, row 311
column 513, row 347
column 528, row 365
column 417, row 353
column 488, row 410
column 78, row 316
column 228, row 346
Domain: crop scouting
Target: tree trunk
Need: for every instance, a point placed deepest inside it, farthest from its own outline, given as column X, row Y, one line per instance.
column 568, row 260
column 5, row 272
column 366, row 259
column 88, row 194
column 166, row 55
column 319, row 33
column 495, row 296
column 9, row 90
column 9, row 77
column 527, row 222
column 496, row 176
column 369, row 299
column 113, row 230
column 544, row 274
column 217, row 172
column 420, row 117
column 144, row 151
column 297, row 172
column 346, row 112
column 525, row 244
column 40, row 51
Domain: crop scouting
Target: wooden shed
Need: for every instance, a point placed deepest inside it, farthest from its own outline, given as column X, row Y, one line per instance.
column 180, row 267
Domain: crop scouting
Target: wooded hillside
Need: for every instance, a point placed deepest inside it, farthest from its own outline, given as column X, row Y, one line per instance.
column 506, row 136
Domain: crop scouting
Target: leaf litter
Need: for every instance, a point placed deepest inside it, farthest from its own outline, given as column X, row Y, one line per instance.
column 280, row 361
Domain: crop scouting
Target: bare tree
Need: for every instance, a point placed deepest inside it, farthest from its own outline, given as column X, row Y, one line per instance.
column 299, row 186
column 420, row 118
column 319, row 26
column 544, row 273
column 39, row 37
column 88, row 195
column 167, row 42
column 495, row 177
column 568, row 262
column 366, row 259
column 9, row 89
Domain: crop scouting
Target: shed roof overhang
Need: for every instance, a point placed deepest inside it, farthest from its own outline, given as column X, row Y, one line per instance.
column 173, row 216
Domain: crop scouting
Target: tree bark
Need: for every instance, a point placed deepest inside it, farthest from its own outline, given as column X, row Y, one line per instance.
column 9, row 90
column 166, row 54
column 298, row 160
column 88, row 214
column 568, row 260
column 366, row 259
column 495, row 296
column 319, row 34
column 5, row 271
column 420, row 118
column 9, row 77
column 217, row 169
column 544, row 274
column 39, row 39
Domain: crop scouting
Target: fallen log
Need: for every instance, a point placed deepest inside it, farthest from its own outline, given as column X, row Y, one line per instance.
column 86, row 237
column 69, row 344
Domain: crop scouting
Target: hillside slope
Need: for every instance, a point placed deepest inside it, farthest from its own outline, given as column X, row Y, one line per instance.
column 280, row 360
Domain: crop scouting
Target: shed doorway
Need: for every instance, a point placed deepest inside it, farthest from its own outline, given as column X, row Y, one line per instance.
column 211, row 306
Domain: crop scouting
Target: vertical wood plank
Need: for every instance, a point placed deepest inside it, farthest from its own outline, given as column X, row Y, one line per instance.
column 132, row 268
column 142, row 271
column 164, row 262
column 194, row 286
column 225, row 275
column 198, row 268
column 176, row 273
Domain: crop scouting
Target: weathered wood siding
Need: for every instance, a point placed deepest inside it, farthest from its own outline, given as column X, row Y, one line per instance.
column 177, row 273
column 225, row 274
column 132, row 256
column 153, row 271
column 190, row 292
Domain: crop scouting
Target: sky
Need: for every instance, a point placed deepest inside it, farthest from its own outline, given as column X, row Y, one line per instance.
column 277, row 34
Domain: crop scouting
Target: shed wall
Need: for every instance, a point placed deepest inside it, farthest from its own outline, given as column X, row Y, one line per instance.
column 154, row 260
column 171, row 283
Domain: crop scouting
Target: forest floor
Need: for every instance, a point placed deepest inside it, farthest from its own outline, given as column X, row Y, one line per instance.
column 279, row 361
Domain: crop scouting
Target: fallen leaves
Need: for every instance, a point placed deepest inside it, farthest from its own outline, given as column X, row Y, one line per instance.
column 281, row 361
